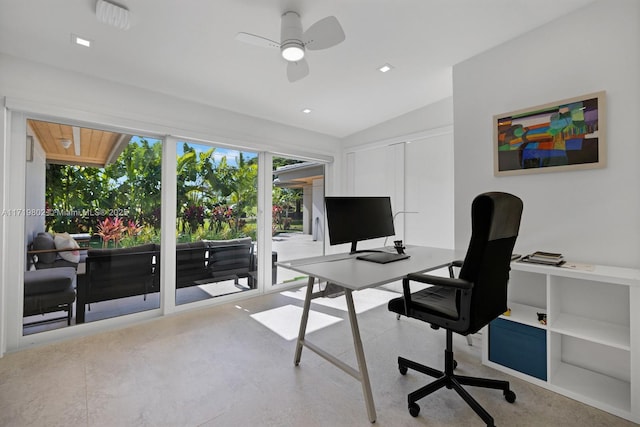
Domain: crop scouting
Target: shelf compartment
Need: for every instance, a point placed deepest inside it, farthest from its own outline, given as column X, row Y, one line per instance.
column 598, row 388
column 525, row 314
column 528, row 289
column 606, row 304
column 609, row 334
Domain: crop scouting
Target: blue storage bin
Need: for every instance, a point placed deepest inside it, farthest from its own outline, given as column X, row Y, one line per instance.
column 519, row 347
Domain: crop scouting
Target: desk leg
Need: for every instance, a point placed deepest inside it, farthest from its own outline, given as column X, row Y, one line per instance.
column 362, row 364
column 303, row 321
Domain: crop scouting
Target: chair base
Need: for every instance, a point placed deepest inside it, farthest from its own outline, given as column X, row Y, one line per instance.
column 450, row 380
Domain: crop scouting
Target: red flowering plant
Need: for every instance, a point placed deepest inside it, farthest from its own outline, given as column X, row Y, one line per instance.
column 220, row 215
column 133, row 229
column 111, row 229
column 114, row 229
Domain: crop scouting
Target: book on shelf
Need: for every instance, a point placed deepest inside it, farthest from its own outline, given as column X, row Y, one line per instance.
column 547, row 258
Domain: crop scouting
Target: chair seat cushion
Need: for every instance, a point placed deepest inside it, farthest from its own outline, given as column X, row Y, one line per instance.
column 435, row 299
column 44, row 303
column 49, row 280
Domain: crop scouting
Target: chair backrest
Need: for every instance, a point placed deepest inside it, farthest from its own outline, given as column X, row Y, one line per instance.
column 495, row 219
column 229, row 258
column 122, row 266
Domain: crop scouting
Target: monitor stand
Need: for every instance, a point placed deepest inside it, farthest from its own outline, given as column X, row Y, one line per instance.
column 354, row 244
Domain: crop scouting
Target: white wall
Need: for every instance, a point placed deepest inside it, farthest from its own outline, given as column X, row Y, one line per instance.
column 420, row 180
column 26, row 83
column 377, row 171
column 406, row 126
column 590, row 216
column 4, row 244
column 429, row 191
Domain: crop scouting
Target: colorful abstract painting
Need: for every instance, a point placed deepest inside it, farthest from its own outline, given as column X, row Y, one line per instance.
column 563, row 135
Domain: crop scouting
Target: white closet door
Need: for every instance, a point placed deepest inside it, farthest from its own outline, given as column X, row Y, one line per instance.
column 379, row 172
column 429, row 191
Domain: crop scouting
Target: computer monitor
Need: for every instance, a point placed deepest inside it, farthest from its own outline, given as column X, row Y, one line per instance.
column 352, row 219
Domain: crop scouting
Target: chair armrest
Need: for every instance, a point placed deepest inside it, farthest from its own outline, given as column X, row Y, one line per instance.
column 440, row 281
column 47, row 251
column 429, row 279
column 457, row 263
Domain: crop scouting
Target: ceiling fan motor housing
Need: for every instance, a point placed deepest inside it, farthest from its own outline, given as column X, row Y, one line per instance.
column 291, row 45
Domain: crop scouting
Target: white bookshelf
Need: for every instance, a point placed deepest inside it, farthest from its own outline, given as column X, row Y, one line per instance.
column 592, row 331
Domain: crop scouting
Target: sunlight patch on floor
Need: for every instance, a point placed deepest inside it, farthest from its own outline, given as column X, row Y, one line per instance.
column 285, row 320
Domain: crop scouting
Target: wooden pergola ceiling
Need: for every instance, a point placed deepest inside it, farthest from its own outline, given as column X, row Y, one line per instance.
column 85, row 147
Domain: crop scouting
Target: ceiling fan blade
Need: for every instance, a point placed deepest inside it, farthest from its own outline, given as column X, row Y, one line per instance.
column 297, row 70
column 323, row 34
column 256, row 40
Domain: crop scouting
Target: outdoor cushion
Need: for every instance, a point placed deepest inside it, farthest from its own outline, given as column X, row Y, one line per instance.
column 50, row 280
column 44, row 241
column 65, row 241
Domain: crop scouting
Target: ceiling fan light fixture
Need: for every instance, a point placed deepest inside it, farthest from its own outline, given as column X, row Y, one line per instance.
column 294, row 42
column 292, row 51
column 291, row 46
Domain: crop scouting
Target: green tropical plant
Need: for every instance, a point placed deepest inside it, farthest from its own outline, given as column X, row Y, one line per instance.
column 214, row 197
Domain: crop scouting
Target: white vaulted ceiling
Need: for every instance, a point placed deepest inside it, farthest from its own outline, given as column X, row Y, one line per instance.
column 188, row 49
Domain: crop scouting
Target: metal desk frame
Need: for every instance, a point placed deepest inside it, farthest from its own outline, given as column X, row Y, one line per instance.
column 350, row 274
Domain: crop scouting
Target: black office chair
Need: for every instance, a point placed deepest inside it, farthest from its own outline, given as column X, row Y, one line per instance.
column 468, row 303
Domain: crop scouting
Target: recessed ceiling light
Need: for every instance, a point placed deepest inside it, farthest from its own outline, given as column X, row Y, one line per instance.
column 306, row 111
column 385, row 68
column 81, row 41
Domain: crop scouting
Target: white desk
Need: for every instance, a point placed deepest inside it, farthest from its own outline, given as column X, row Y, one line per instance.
column 352, row 275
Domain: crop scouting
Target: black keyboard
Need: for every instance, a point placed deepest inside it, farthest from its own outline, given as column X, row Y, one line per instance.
column 382, row 257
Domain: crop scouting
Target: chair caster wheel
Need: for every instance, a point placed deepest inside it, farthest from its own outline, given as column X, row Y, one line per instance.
column 403, row 369
column 414, row 409
column 510, row 396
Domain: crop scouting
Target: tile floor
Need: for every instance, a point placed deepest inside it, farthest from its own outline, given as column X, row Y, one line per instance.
column 222, row 366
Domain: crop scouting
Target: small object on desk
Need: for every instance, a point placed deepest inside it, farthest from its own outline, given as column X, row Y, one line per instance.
column 399, row 246
column 542, row 318
column 545, row 258
column 515, row 257
column 382, row 257
column 507, row 313
column 578, row 266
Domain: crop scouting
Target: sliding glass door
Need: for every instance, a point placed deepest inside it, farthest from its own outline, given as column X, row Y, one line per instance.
column 92, row 204
column 297, row 214
column 216, row 221
column 93, row 208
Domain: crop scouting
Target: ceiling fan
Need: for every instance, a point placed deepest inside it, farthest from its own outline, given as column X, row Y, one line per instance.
column 324, row 34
